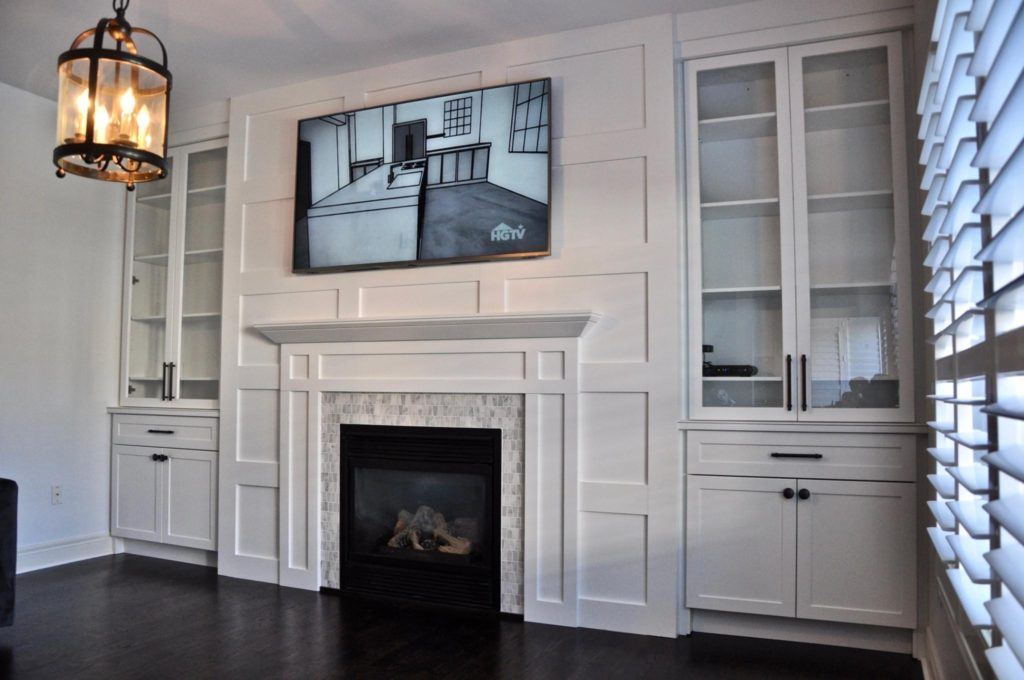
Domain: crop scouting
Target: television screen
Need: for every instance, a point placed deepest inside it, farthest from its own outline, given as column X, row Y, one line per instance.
column 458, row 178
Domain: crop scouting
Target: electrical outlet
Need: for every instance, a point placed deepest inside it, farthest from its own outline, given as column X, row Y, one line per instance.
column 56, row 495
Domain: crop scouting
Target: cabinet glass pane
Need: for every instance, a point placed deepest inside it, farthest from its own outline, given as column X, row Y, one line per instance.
column 742, row 318
column 201, row 283
column 853, row 296
column 148, row 326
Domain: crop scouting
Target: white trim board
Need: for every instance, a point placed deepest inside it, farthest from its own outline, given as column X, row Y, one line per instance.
column 474, row 327
column 788, row 35
column 161, row 551
column 799, row 630
column 63, row 551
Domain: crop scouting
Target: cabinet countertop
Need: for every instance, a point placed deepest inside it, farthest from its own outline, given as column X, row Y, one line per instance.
column 157, row 411
column 769, row 426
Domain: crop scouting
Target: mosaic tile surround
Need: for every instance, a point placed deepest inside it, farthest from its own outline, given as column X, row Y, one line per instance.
column 504, row 411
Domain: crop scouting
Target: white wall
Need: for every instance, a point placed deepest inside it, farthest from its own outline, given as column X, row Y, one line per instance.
column 614, row 251
column 60, row 295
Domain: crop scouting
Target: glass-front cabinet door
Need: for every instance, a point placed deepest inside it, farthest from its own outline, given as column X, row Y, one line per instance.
column 171, row 339
column 199, row 355
column 149, row 286
column 851, row 229
column 739, row 206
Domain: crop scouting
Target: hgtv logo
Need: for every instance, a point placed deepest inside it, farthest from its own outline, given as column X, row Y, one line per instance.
column 503, row 232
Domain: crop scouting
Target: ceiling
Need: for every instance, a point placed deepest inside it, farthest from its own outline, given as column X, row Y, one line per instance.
column 219, row 49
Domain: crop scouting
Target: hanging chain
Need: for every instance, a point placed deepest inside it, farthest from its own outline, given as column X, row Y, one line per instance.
column 120, row 6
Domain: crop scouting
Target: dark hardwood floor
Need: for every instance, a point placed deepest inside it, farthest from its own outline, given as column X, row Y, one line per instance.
column 134, row 617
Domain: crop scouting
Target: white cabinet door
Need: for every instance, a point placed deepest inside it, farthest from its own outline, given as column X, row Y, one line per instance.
column 135, row 493
column 851, row 224
column 741, row 544
column 856, row 553
column 190, row 483
column 740, row 238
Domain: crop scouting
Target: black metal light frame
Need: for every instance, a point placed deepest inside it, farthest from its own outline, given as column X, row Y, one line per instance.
column 128, row 159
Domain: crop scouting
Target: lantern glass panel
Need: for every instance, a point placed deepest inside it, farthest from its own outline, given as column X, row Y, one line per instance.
column 131, row 106
column 72, row 101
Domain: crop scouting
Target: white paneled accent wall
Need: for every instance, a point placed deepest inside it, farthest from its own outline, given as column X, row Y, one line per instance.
column 614, row 251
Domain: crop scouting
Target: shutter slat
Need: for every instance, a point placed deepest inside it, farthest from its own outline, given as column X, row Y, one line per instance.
column 972, row 517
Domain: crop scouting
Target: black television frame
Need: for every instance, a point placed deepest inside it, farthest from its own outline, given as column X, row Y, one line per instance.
column 402, row 264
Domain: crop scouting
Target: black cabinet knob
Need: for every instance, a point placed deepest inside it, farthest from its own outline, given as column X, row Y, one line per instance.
column 804, row 494
column 156, row 456
column 787, row 493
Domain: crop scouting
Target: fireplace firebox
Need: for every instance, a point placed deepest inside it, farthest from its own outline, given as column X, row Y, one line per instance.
column 420, row 513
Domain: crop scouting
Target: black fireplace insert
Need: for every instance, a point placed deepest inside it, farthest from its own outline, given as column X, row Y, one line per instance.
column 420, row 513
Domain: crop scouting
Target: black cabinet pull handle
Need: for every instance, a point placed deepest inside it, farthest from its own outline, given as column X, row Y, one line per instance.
column 803, row 495
column 788, row 493
column 803, row 382
column 163, row 384
column 789, row 382
column 156, row 456
column 170, row 382
column 816, row 456
column 160, row 431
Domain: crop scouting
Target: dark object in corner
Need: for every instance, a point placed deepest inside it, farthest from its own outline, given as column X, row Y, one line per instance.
column 8, row 548
column 711, row 370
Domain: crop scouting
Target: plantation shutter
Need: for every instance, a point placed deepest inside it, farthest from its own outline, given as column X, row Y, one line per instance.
column 972, row 128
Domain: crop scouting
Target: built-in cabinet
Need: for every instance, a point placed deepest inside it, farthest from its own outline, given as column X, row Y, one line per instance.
column 797, row 216
column 804, row 542
column 799, row 314
column 164, row 434
column 164, row 479
column 172, row 290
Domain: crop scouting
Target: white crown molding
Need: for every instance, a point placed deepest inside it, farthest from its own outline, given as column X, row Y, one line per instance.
column 475, row 327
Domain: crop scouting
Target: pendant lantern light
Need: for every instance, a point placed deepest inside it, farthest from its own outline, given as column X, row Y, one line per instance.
column 112, row 105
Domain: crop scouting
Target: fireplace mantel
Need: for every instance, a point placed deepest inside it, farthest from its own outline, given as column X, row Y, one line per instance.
column 572, row 324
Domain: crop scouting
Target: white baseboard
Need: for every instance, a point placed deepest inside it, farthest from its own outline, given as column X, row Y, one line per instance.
column 797, row 630
column 204, row 558
column 929, row 668
column 54, row 553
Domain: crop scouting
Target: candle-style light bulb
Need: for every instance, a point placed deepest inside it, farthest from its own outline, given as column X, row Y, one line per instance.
column 82, row 104
column 127, row 102
column 101, row 120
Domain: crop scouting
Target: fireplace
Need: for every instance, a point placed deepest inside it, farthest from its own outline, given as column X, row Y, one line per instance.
column 420, row 513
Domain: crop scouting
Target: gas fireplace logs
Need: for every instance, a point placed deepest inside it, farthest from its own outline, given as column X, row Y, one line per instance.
column 427, row 530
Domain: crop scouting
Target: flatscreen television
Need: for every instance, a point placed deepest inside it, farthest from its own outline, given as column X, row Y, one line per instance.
column 463, row 177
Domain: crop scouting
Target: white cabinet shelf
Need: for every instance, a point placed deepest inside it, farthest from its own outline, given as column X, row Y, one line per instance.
column 798, row 232
column 743, row 290
column 840, row 116
column 724, row 210
column 173, row 264
column 850, row 200
column 738, row 127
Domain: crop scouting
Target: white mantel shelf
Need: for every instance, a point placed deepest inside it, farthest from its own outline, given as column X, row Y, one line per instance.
column 572, row 324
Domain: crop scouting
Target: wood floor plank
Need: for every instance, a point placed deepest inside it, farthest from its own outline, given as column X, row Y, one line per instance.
column 126, row 616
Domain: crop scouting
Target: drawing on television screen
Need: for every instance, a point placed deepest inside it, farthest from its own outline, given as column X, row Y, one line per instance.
column 461, row 177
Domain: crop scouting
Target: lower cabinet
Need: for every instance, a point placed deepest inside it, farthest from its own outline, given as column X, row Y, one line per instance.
column 165, row 495
column 830, row 550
